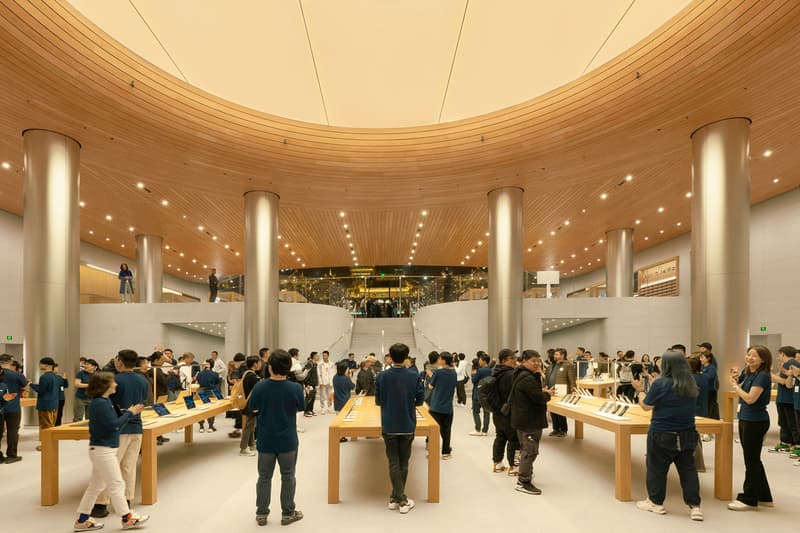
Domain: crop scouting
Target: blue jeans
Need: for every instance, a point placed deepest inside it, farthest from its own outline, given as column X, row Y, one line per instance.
column 266, row 466
column 476, row 416
column 665, row 448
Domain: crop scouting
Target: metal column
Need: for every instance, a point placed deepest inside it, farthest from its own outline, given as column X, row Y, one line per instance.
column 149, row 268
column 260, row 271
column 505, row 269
column 51, row 257
column 619, row 263
column 721, row 239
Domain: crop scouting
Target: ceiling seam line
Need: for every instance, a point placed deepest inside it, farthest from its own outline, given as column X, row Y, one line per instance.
column 624, row 14
column 314, row 62
column 158, row 41
column 453, row 62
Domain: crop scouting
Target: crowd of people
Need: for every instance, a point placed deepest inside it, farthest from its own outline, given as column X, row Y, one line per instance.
column 512, row 390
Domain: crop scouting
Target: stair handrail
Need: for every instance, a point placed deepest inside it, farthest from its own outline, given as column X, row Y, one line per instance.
column 348, row 331
column 415, row 329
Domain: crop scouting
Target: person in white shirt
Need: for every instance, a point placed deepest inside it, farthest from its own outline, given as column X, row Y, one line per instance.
column 294, row 372
column 222, row 371
column 462, row 376
column 185, row 371
column 325, row 370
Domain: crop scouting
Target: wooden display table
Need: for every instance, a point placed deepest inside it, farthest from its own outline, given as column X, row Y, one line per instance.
column 599, row 388
column 637, row 422
column 153, row 427
column 729, row 400
column 366, row 422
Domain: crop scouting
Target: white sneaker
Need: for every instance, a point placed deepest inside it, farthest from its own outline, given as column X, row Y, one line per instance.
column 707, row 437
column 247, row 452
column 406, row 506
column 475, row 433
column 736, row 505
column 484, row 433
column 696, row 514
column 647, row 505
column 393, row 506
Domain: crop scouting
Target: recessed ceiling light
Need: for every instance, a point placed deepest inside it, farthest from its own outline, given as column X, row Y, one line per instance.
column 82, row 203
column 91, row 232
column 540, row 241
column 462, row 262
column 194, row 260
column 603, row 196
column 122, row 246
column 589, row 264
column 280, row 237
column 131, row 228
column 480, row 243
column 350, row 244
column 170, row 266
column 181, row 254
column 299, row 260
column 466, row 257
column 487, row 233
column 472, row 250
column 356, row 264
column 552, row 232
column 629, row 177
column 201, row 228
column 286, row 245
column 660, row 209
column 303, row 265
column 583, row 211
column 562, row 261
column 6, row 165
column 688, row 194
column 214, row 238
column 410, row 257
column 647, row 238
column 661, row 231
column 678, row 224
column 139, row 185
column 109, row 218
column 424, row 213
column 292, row 252
column 341, row 214
column 585, row 248
column 414, row 243
column 573, row 256
column 355, row 259
column 348, row 236
column 598, row 259
column 775, row 180
column 237, row 254
column 227, row 246
column 166, row 203
column 419, row 225
column 601, row 241
column 638, row 221
column 166, row 246
column 352, row 252
column 205, row 266
column 552, row 267
column 345, row 226
column 108, row 239
column 530, row 249
column 566, row 222
column 179, row 269
column 767, row 153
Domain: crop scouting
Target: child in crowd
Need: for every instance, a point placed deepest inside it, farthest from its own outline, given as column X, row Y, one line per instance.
column 104, row 431
column 47, row 391
column 342, row 387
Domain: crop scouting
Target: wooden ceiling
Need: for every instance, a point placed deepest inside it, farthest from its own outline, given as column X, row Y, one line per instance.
column 633, row 116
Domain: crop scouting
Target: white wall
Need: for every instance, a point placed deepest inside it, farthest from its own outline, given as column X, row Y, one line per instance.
column 187, row 340
column 315, row 327
column 590, row 335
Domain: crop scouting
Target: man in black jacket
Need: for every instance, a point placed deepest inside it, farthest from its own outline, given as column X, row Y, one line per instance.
column 251, row 377
column 529, row 415
column 505, row 437
column 311, row 383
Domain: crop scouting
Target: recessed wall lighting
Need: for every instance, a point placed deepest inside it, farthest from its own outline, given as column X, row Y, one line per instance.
column 767, row 153
column 6, row 165
column 165, row 203
column 603, row 196
column 109, row 218
column 660, row 209
column 139, row 185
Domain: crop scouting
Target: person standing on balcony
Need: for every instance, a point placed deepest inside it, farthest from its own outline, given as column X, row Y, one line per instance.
column 213, row 285
column 125, row 284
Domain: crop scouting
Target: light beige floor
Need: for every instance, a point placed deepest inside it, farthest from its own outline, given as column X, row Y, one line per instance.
column 207, row 487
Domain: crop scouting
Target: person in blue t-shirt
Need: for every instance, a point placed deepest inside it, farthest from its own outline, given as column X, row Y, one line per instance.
column 443, row 386
column 62, row 398
column 14, row 384
column 104, row 440
column 784, row 403
column 342, row 388
column 277, row 401
column 46, row 395
column 483, row 370
column 793, row 381
column 752, row 386
column 672, row 437
column 81, row 382
column 208, row 380
column 701, row 406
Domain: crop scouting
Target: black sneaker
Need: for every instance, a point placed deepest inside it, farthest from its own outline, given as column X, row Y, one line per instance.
column 261, row 519
column 290, row 518
column 528, row 488
column 99, row 511
column 14, row 459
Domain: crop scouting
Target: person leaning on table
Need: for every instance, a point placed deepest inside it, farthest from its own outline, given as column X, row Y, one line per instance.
column 672, row 437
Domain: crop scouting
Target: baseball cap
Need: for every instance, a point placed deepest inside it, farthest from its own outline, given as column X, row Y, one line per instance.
column 47, row 361
column 706, row 345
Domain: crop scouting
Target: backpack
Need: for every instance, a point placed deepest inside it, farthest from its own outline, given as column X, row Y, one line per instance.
column 489, row 395
column 238, row 399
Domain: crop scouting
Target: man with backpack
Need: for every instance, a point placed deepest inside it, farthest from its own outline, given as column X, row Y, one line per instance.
column 483, row 372
column 239, row 398
column 505, row 437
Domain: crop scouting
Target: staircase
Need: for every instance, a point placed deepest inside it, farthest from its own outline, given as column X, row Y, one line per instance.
column 377, row 334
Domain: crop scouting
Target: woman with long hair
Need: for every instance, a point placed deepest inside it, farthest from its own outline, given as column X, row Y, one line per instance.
column 125, row 284
column 752, row 386
column 672, row 437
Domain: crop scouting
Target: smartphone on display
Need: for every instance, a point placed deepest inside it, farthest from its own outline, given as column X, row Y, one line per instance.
column 624, row 410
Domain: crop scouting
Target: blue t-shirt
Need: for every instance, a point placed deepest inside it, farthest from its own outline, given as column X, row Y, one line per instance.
column 105, row 424
column 84, row 376
column 131, row 389
column 476, row 377
column 785, row 394
column 443, row 382
column 47, row 391
column 757, row 411
column 671, row 412
column 797, row 394
column 712, row 376
column 397, row 392
column 62, row 388
column 342, row 385
column 208, row 379
column 15, row 383
column 701, row 406
column 277, row 402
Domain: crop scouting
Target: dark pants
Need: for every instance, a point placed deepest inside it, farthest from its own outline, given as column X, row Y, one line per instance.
column 266, row 466
column 311, row 396
column 528, row 452
column 559, row 423
column 60, row 413
column 461, row 392
column 476, row 416
column 787, row 423
column 505, row 439
column 665, row 448
column 210, row 422
column 10, row 423
column 713, row 405
column 626, row 390
column 756, row 486
column 445, row 422
column 212, row 296
column 398, row 452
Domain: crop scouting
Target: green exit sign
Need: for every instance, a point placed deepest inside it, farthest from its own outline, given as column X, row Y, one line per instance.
column 763, row 328
column 9, row 337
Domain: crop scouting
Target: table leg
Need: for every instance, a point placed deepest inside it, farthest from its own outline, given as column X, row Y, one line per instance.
column 333, row 465
column 50, row 459
column 188, row 434
column 622, row 464
column 728, row 407
column 723, row 463
column 433, row 464
column 578, row 429
column 149, row 468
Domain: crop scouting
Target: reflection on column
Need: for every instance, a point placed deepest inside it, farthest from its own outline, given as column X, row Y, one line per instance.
column 149, row 268
column 260, row 270
column 619, row 263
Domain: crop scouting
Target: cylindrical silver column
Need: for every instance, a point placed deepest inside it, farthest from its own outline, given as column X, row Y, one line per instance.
column 260, row 271
column 619, row 263
column 505, row 269
column 149, row 268
column 51, row 257
column 721, row 239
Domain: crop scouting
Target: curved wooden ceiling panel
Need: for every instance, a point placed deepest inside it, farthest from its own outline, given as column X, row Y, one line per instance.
column 632, row 116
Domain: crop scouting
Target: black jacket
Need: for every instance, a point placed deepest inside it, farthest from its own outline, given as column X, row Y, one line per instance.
column 366, row 382
column 529, row 401
column 504, row 376
column 250, row 380
column 312, row 378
